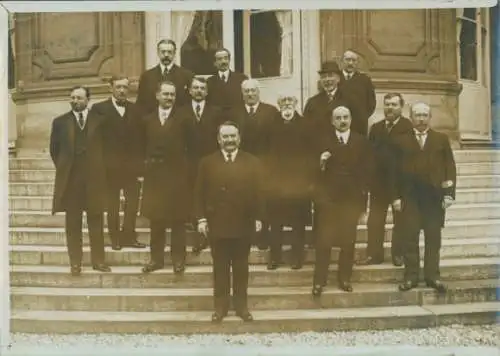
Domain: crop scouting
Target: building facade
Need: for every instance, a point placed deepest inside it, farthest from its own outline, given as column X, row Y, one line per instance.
column 441, row 56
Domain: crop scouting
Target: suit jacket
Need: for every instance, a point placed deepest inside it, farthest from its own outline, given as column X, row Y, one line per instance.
column 359, row 90
column 165, row 187
column 430, row 166
column 347, row 173
column 382, row 142
column 226, row 95
column 148, row 85
column 62, row 146
column 229, row 195
column 123, row 142
column 254, row 129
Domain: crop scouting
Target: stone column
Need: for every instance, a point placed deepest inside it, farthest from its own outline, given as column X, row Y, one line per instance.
column 495, row 72
column 158, row 26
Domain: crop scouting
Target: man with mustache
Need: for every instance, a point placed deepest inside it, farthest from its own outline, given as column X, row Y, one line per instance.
column 425, row 187
column 166, row 189
column 359, row 90
column 224, row 87
column 202, row 121
column 76, row 149
column 228, row 206
column 382, row 136
column 254, row 118
column 166, row 70
column 123, row 148
column 340, row 196
column 290, row 166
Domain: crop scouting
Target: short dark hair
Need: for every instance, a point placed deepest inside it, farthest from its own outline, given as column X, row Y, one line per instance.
column 164, row 82
column 389, row 96
column 198, row 79
column 87, row 90
column 228, row 123
column 222, row 49
column 116, row 77
column 166, row 41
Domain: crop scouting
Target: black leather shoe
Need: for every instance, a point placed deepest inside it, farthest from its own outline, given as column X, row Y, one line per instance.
column 179, row 268
column 398, row 261
column 199, row 247
column 345, row 286
column 101, row 267
column 245, row 315
column 217, row 317
column 76, row 270
column 370, row 261
column 407, row 285
column 437, row 285
column 135, row 244
column 317, row 291
column 271, row 266
column 151, row 267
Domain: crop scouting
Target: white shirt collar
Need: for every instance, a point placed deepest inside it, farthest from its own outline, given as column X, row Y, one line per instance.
column 394, row 122
column 201, row 103
column 291, row 118
column 225, row 73
column 424, row 133
column 331, row 93
column 346, row 74
column 233, row 154
column 85, row 112
column 255, row 107
column 163, row 66
column 120, row 109
column 345, row 135
column 165, row 112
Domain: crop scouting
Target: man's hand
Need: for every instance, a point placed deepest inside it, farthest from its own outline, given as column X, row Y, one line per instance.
column 203, row 227
column 447, row 202
column 258, row 225
column 140, row 179
column 323, row 158
column 396, row 205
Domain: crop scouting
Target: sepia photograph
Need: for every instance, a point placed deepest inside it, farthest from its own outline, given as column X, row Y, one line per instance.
column 277, row 181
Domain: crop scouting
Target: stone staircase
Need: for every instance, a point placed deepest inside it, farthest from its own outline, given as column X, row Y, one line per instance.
column 45, row 298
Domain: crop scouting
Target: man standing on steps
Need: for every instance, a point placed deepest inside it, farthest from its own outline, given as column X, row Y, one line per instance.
column 165, row 190
column 254, row 119
column 381, row 137
column 425, row 187
column 229, row 207
column 340, row 196
column 202, row 121
column 358, row 88
column 76, row 148
column 123, row 150
column 224, row 87
column 166, row 70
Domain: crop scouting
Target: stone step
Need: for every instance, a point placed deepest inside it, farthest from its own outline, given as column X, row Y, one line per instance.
column 47, row 175
column 56, row 235
column 43, row 219
column 42, row 160
column 463, row 196
column 201, row 276
column 47, row 188
column 266, row 321
column 57, row 255
column 365, row 295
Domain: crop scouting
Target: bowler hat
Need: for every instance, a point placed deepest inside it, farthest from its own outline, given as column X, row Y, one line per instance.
column 330, row 67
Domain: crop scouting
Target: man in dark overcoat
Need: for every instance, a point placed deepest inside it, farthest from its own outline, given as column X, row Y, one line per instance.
column 123, row 151
column 228, row 206
column 340, row 198
column 358, row 88
column 166, row 187
column 254, row 118
column 166, row 70
column 381, row 137
column 201, row 120
column 224, row 86
column 76, row 148
column 426, row 181
column 290, row 167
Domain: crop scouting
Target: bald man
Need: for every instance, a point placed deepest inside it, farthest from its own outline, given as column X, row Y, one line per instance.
column 357, row 88
column 426, row 178
column 340, row 197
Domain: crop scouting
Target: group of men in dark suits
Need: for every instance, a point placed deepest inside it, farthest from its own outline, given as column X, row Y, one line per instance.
column 212, row 154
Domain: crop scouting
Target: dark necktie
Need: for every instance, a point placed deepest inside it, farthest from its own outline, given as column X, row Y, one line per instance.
column 223, row 77
column 420, row 139
column 198, row 111
column 229, row 158
column 165, row 73
column 251, row 111
column 80, row 120
column 389, row 126
column 341, row 140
